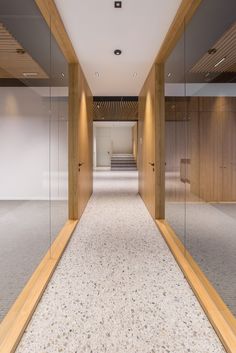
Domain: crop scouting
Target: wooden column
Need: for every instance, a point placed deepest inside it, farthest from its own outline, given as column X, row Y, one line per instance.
column 73, row 139
column 160, row 143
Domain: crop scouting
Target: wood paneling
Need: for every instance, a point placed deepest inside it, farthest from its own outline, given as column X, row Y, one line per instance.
column 225, row 47
column 80, row 141
column 14, row 60
column 85, row 144
column 13, row 325
column 147, row 143
column 160, row 143
column 219, row 315
column 217, row 148
column 124, row 110
column 73, row 139
column 207, row 137
column 135, row 141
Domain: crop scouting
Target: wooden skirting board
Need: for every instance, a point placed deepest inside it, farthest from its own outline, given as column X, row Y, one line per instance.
column 217, row 312
column 13, row 325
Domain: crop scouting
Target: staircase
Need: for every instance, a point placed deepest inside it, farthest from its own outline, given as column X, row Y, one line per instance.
column 123, row 162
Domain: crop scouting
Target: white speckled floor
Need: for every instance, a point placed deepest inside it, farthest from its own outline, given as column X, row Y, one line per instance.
column 117, row 288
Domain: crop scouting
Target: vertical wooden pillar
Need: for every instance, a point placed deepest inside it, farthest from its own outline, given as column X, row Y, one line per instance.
column 160, row 142
column 73, row 139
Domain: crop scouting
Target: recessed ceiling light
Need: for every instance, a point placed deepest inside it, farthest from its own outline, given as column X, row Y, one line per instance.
column 30, row 74
column 117, row 52
column 169, row 74
column 97, row 74
column 118, row 4
column 219, row 62
column 212, row 51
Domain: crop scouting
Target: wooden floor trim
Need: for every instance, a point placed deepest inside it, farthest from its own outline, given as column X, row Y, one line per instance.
column 217, row 312
column 13, row 325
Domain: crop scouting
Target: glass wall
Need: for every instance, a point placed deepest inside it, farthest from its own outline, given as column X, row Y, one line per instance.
column 33, row 144
column 200, row 89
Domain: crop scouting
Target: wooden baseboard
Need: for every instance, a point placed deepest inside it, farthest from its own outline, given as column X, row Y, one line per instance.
column 13, row 325
column 216, row 310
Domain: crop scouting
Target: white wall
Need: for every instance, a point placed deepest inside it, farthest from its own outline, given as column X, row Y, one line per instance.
column 112, row 140
column 28, row 143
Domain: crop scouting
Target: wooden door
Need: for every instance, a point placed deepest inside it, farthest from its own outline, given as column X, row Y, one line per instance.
column 147, row 116
column 85, row 150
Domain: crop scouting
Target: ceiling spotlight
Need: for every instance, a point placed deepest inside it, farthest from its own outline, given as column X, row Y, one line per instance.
column 212, row 51
column 20, row 51
column 97, row 74
column 169, row 74
column 117, row 52
column 118, row 4
column 219, row 62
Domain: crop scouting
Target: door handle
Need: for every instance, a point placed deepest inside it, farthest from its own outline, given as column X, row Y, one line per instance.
column 80, row 165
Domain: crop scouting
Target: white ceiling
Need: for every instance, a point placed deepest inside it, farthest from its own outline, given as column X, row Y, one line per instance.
column 96, row 29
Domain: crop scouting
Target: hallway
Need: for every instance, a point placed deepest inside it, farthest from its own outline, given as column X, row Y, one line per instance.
column 117, row 287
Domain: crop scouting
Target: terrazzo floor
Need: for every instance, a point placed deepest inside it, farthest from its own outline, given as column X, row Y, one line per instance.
column 117, row 287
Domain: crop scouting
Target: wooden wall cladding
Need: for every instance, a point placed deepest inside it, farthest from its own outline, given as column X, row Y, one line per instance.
column 146, row 138
column 225, row 47
column 80, row 142
column 124, row 110
column 217, row 122
column 14, row 61
column 209, row 138
column 85, row 144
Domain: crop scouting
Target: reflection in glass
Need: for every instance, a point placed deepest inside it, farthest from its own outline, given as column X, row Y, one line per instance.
column 200, row 143
column 33, row 144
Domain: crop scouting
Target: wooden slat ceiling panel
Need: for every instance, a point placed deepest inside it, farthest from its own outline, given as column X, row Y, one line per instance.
column 13, row 64
column 225, row 48
column 115, row 110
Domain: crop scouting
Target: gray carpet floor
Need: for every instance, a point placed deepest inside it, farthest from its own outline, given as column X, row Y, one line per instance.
column 209, row 232
column 25, row 236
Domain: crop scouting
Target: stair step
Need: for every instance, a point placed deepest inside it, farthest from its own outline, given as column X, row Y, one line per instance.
column 123, row 162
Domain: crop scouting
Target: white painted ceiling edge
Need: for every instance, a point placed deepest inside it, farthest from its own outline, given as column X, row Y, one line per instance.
column 96, row 29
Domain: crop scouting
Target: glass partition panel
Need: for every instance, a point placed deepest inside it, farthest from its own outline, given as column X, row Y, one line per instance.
column 205, row 169
column 210, row 67
column 176, row 141
column 58, row 140
column 33, row 144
